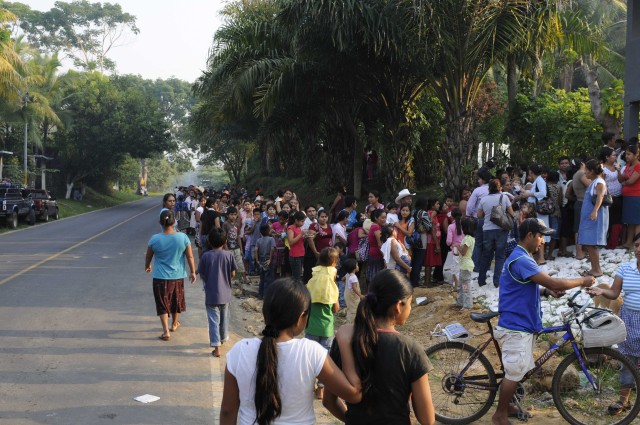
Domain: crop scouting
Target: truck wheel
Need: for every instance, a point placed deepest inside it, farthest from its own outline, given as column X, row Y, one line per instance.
column 12, row 220
column 56, row 215
column 45, row 217
column 31, row 218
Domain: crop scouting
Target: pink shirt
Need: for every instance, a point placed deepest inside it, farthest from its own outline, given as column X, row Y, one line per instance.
column 452, row 235
column 374, row 249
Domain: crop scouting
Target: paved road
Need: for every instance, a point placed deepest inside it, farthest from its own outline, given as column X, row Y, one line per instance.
column 79, row 334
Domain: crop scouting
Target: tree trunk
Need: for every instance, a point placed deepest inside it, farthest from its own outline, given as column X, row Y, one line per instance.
column 566, row 78
column 609, row 123
column 512, row 82
column 457, row 154
column 43, row 174
column 69, row 189
column 591, row 77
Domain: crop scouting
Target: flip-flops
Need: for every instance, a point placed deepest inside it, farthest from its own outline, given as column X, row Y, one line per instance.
column 175, row 327
column 215, row 353
column 165, row 337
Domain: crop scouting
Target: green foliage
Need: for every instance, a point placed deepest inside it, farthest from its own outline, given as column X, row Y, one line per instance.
column 553, row 124
column 110, row 120
column 127, row 173
column 612, row 99
column 160, row 174
column 84, row 31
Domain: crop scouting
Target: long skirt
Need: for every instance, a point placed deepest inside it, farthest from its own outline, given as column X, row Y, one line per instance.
column 169, row 296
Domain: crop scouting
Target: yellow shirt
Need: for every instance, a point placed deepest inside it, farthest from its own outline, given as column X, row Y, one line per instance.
column 322, row 285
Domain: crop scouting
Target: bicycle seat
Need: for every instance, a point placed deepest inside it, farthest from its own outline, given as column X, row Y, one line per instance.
column 484, row 317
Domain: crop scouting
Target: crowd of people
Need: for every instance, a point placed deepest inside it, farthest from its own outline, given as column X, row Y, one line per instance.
column 314, row 262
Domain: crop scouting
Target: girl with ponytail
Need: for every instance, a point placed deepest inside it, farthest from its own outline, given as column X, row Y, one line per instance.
column 392, row 368
column 271, row 380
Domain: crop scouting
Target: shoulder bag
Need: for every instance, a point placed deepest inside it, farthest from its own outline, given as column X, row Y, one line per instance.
column 500, row 217
column 545, row 205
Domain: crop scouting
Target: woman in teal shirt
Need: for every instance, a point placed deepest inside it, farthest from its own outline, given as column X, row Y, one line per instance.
column 168, row 251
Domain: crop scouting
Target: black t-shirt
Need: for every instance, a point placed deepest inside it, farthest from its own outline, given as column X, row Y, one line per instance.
column 400, row 361
column 207, row 221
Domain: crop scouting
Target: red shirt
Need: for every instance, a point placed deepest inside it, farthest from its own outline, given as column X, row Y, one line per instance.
column 634, row 189
column 297, row 249
column 323, row 236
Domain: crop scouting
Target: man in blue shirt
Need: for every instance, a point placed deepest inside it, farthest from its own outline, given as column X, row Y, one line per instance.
column 522, row 282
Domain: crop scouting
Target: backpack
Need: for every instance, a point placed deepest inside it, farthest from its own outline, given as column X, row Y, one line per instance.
column 423, row 223
column 414, row 240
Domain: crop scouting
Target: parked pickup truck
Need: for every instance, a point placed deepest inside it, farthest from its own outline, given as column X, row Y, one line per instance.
column 13, row 206
column 44, row 203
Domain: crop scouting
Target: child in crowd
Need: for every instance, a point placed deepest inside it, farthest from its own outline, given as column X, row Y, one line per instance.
column 395, row 254
column 231, row 228
column 455, row 235
column 352, row 292
column 296, row 236
column 464, row 299
column 280, row 235
column 324, row 301
column 270, row 215
column 341, row 286
column 217, row 268
column 433, row 256
column 404, row 226
column 392, row 214
column 251, row 227
column 264, row 253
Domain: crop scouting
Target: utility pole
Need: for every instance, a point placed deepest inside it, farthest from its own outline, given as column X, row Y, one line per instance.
column 26, row 132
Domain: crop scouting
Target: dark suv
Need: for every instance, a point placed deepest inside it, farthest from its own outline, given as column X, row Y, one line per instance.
column 14, row 206
column 44, row 203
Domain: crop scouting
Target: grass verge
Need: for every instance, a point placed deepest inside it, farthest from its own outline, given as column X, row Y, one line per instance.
column 92, row 201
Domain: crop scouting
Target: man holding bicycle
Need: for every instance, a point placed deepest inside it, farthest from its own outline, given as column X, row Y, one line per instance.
column 522, row 282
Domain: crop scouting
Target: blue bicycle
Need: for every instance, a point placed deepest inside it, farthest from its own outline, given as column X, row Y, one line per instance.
column 464, row 384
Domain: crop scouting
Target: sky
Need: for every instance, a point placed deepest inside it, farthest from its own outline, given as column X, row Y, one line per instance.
column 174, row 39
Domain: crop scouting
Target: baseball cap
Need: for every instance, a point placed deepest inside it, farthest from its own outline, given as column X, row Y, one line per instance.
column 534, row 225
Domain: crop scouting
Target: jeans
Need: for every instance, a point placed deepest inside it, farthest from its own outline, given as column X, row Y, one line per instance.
column 494, row 242
column 296, row 267
column 248, row 255
column 266, row 277
column 626, row 378
column 417, row 261
column 325, row 341
column 477, row 250
column 218, row 317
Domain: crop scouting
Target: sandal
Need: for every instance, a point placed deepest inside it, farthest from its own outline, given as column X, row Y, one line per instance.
column 215, row 352
column 165, row 337
column 175, row 327
column 618, row 407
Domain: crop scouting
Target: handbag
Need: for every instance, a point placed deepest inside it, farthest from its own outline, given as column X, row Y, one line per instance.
column 362, row 253
column 500, row 217
column 607, row 200
column 546, row 205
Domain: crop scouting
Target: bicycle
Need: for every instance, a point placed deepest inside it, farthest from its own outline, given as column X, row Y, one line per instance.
column 464, row 383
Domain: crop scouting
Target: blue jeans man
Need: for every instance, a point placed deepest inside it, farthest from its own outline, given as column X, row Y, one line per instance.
column 493, row 242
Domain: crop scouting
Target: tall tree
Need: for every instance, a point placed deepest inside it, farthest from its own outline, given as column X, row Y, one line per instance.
column 85, row 32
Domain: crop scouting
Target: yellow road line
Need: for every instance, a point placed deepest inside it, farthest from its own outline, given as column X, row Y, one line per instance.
column 54, row 256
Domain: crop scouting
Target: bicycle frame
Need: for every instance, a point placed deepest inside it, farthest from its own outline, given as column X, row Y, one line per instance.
column 567, row 337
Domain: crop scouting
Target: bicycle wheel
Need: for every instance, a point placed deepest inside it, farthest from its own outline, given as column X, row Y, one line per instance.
column 454, row 402
column 579, row 403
